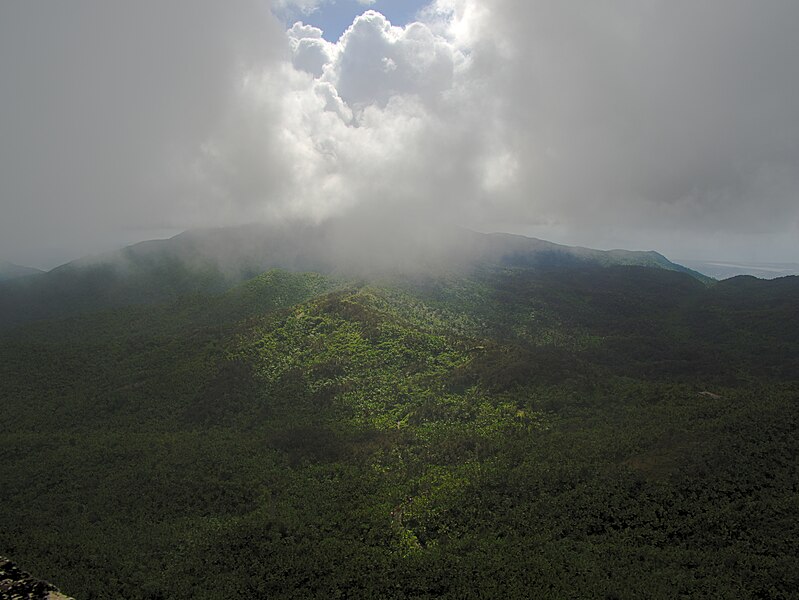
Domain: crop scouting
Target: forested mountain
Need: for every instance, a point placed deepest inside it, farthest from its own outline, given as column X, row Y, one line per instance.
column 546, row 423
column 210, row 261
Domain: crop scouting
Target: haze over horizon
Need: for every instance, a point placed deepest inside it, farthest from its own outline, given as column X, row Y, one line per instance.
column 639, row 125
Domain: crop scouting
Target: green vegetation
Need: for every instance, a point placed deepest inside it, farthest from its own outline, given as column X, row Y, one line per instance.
column 528, row 432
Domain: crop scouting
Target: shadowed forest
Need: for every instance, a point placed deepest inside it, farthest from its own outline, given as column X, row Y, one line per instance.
column 581, row 431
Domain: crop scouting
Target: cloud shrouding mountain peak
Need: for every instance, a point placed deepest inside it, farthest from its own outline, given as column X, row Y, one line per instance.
column 635, row 124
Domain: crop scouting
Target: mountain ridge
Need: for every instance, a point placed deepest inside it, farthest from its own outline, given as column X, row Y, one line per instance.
column 9, row 271
column 212, row 260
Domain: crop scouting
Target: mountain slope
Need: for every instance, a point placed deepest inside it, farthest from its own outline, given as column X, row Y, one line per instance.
column 511, row 432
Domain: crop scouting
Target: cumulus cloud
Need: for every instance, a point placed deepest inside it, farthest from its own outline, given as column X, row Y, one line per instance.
column 382, row 123
column 310, row 53
column 595, row 119
column 651, row 115
column 377, row 62
column 632, row 123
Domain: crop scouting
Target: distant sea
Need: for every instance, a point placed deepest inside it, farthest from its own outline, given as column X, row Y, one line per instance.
column 725, row 270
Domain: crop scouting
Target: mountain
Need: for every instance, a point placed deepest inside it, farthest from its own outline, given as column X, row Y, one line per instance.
column 11, row 271
column 535, row 425
column 210, row 261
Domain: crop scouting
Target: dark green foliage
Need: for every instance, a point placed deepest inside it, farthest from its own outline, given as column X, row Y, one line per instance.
column 570, row 432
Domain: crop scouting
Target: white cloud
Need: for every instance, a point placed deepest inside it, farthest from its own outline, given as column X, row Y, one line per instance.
column 627, row 116
column 385, row 120
column 377, row 61
column 627, row 119
column 310, row 52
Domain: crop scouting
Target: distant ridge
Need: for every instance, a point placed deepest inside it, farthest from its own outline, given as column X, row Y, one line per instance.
column 238, row 253
column 11, row 271
column 524, row 248
column 213, row 260
column 725, row 270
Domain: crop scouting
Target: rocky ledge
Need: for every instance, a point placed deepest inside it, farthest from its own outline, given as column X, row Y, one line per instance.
column 16, row 584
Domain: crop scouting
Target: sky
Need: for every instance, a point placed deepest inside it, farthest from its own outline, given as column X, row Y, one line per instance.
column 333, row 17
column 639, row 124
